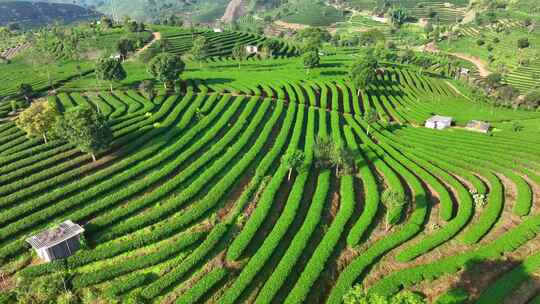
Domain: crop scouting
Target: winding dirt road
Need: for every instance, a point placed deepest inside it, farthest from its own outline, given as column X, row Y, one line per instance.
column 157, row 36
column 479, row 63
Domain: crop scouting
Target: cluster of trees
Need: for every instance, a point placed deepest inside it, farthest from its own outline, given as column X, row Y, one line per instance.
column 329, row 154
column 358, row 296
column 506, row 95
column 364, row 70
column 311, row 40
column 81, row 126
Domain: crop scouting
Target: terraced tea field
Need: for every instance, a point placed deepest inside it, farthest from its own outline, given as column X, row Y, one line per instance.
column 192, row 203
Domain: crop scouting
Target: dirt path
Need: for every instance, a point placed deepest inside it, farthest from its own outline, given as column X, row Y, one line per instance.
column 292, row 26
column 479, row 63
column 157, row 36
column 232, row 11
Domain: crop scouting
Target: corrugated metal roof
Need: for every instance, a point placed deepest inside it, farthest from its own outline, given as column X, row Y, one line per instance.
column 438, row 118
column 54, row 236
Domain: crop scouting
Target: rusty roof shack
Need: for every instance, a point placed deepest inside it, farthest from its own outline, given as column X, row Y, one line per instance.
column 58, row 242
column 478, row 126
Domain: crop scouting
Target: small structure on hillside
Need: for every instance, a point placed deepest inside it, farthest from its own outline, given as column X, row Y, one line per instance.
column 58, row 242
column 252, row 49
column 465, row 72
column 478, row 126
column 116, row 56
column 439, row 122
column 218, row 30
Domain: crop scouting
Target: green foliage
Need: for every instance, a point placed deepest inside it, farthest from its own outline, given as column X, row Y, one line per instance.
column 311, row 60
column 358, row 296
column 38, row 119
column 199, row 51
column 84, row 128
column 523, row 43
column 25, row 90
column 166, row 68
column 363, row 71
column 110, row 69
column 394, row 202
column 293, row 160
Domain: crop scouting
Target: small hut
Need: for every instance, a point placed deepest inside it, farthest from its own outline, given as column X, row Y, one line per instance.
column 478, row 126
column 439, row 122
column 252, row 49
column 218, row 30
column 58, row 242
column 464, row 73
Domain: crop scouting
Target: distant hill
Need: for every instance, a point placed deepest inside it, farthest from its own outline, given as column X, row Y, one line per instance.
column 39, row 13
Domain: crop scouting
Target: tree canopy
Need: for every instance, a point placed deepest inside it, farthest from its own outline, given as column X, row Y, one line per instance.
column 84, row 128
column 38, row 119
column 293, row 160
column 358, row 296
column 110, row 69
column 166, row 68
column 363, row 71
column 311, row 60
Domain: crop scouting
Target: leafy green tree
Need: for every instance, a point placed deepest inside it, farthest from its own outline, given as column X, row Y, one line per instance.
column 363, row 72
column 38, row 119
column 166, row 68
column 239, row 53
column 358, row 296
column 293, row 160
column 398, row 16
column 84, row 128
column 371, row 116
column 371, row 37
column 311, row 60
column 342, row 158
column 323, row 152
column 494, row 80
column 199, row 51
column 124, row 46
column 111, row 70
column 523, row 43
column 25, row 90
column 148, row 89
column 392, row 200
column 106, row 22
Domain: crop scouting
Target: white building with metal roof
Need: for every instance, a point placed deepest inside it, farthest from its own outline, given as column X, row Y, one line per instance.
column 439, row 122
column 58, row 242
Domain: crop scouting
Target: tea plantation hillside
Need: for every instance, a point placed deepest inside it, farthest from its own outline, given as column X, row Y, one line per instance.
column 212, row 165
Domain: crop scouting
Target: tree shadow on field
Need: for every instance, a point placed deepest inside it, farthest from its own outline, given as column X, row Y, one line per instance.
column 211, row 81
column 478, row 276
column 330, row 65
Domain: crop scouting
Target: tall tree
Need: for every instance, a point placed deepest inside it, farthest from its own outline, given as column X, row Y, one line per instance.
column 25, row 90
column 311, row 60
column 38, row 119
column 239, row 53
column 166, row 68
column 293, row 160
column 148, row 89
column 342, row 158
column 124, row 46
column 84, row 128
column 371, row 116
column 199, row 51
column 111, row 70
column 363, row 71
column 393, row 201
